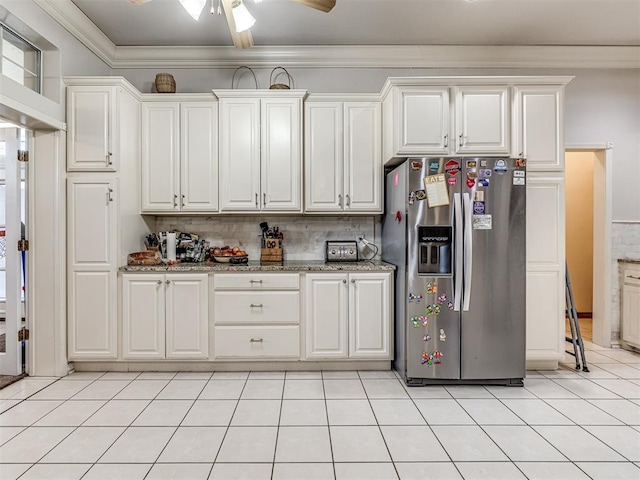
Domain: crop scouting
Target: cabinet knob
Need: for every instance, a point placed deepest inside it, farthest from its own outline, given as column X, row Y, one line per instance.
column 344, row 281
column 168, row 282
column 256, row 340
column 159, row 282
column 521, row 155
column 353, row 281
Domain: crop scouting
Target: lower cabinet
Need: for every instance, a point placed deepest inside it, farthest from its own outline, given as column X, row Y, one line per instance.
column 165, row 316
column 630, row 321
column 348, row 315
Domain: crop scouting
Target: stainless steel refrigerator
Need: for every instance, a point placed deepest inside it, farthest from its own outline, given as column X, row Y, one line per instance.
column 455, row 229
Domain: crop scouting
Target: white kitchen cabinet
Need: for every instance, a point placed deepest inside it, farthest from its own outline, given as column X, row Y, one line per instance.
column 343, row 158
column 538, row 126
column 630, row 321
column 545, row 305
column 482, row 118
column 179, row 157
column 260, row 150
column 91, row 250
column 348, row 315
column 165, row 316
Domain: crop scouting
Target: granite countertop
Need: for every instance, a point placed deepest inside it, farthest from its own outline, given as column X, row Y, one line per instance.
column 286, row 266
column 629, row 260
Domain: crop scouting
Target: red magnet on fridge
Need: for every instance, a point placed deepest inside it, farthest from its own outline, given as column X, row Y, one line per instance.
column 398, row 216
column 470, row 182
column 452, row 181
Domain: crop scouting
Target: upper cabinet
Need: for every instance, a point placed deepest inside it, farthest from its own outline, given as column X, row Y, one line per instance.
column 96, row 136
column 180, row 156
column 260, row 150
column 343, row 161
column 538, row 133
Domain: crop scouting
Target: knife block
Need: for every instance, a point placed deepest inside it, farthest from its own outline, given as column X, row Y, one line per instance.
column 271, row 251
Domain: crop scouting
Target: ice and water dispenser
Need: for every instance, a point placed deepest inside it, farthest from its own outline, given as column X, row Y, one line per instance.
column 435, row 250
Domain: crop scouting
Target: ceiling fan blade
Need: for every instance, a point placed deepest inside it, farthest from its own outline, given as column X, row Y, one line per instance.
column 323, row 5
column 139, row 2
column 242, row 39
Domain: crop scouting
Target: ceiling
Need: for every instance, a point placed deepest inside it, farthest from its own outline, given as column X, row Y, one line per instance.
column 378, row 22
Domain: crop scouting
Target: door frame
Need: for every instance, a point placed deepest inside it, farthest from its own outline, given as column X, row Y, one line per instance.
column 602, row 233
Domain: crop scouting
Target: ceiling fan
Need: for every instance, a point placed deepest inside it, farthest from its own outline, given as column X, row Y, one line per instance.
column 240, row 34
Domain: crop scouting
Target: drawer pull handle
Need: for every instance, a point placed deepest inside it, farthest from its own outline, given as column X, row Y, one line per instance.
column 255, row 281
column 635, row 278
column 254, row 305
column 256, row 340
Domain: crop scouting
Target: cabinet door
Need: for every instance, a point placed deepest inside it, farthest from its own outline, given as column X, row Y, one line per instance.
column 160, row 157
column 424, row 122
column 240, row 154
column 545, row 304
column 187, row 315
column 362, row 157
column 199, row 157
column 91, row 129
column 91, row 254
column 326, row 315
column 281, row 167
column 143, row 316
column 323, row 157
column 482, row 120
column 369, row 315
column 539, row 136
column 630, row 322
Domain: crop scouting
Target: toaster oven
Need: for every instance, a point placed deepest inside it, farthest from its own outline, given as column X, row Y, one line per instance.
column 341, row 251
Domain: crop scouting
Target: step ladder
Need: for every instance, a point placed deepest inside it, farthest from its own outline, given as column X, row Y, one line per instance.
column 574, row 325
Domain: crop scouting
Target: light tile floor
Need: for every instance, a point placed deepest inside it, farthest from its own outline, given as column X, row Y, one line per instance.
column 563, row 425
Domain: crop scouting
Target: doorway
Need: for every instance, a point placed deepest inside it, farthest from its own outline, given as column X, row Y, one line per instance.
column 588, row 238
column 13, row 255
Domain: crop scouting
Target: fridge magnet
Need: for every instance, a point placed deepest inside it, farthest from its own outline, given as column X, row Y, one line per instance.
column 478, row 208
column 431, row 287
column 470, row 182
column 426, row 338
column 443, row 336
column 412, row 198
column 518, row 173
column 521, row 162
column 452, row 167
column 420, row 320
column 415, row 297
column 433, row 310
column 421, row 194
column 437, row 357
column 437, row 193
column 483, row 163
column 482, row 222
column 500, row 166
column 484, row 172
column 472, row 164
column 450, row 305
column 478, row 196
column 426, row 358
column 472, row 174
column 442, row 298
column 483, row 182
column 434, row 165
column 452, row 181
column 398, row 216
column 416, row 165
column 518, row 181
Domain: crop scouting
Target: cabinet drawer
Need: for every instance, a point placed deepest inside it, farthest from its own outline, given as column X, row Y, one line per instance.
column 257, row 342
column 631, row 276
column 257, row 307
column 256, row 281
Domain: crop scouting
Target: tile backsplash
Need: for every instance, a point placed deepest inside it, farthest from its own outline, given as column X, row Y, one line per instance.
column 304, row 237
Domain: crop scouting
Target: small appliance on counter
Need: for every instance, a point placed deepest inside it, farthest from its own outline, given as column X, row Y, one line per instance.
column 341, row 251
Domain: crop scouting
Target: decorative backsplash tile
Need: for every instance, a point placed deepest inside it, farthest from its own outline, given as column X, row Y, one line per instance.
column 304, row 236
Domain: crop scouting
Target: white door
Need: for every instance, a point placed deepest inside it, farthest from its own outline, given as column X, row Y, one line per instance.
column 160, row 157
column 324, row 170
column 12, row 182
column 482, row 120
column 199, row 157
column 240, row 155
column 539, row 129
column 187, row 316
column 281, row 166
column 424, row 122
column 91, row 129
column 91, row 272
column 362, row 157
column 369, row 315
column 326, row 315
column 143, row 316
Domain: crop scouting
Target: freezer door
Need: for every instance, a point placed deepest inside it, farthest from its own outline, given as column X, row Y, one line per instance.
column 493, row 316
column 432, row 330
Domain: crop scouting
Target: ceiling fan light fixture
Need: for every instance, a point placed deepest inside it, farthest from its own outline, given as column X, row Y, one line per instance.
column 241, row 16
column 193, row 7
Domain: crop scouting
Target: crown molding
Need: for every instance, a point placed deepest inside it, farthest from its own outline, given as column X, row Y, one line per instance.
column 360, row 56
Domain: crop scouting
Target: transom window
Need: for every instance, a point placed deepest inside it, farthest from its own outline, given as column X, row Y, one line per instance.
column 21, row 61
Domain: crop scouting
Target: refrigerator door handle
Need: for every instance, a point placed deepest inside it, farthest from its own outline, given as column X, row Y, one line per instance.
column 468, row 250
column 457, row 227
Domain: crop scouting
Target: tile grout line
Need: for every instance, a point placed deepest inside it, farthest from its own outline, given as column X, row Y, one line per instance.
column 326, row 414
